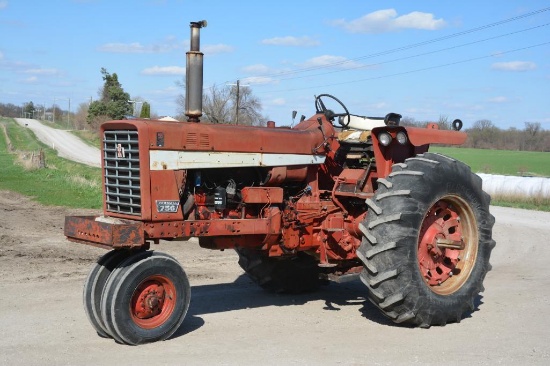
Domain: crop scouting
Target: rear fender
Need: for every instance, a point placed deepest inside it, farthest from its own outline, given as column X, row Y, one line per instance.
column 418, row 142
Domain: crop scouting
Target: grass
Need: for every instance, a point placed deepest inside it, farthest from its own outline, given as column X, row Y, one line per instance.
column 505, row 162
column 90, row 137
column 537, row 203
column 61, row 183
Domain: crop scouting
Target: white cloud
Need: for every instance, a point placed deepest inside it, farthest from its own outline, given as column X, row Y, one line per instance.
column 259, row 80
column 257, row 69
column 499, row 99
column 167, row 45
column 278, row 101
column 386, row 20
column 42, row 71
column 3, row 4
column 213, row 49
column 514, row 66
column 304, row 41
column 135, row 47
column 164, row 70
column 31, row 80
column 330, row 60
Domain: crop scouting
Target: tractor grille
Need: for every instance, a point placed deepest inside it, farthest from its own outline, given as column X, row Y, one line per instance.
column 121, row 172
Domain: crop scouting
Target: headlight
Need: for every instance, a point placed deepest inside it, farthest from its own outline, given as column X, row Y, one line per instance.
column 384, row 138
column 401, row 137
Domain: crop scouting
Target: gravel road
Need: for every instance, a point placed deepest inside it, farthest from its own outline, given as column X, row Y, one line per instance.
column 233, row 322
column 68, row 145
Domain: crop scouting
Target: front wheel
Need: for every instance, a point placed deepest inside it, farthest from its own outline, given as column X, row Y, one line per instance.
column 427, row 241
column 145, row 299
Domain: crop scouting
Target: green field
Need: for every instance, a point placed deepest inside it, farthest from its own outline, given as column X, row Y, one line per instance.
column 62, row 182
column 503, row 162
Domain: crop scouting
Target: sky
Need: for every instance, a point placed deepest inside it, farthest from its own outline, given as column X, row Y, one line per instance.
column 424, row 59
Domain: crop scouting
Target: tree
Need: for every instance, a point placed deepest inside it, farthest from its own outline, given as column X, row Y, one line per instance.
column 483, row 133
column 220, row 105
column 217, row 105
column 113, row 103
column 247, row 107
column 80, row 116
column 533, row 137
column 29, row 110
column 145, row 110
column 180, row 100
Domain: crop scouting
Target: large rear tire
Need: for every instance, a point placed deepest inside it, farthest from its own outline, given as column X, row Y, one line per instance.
column 145, row 299
column 281, row 275
column 427, row 241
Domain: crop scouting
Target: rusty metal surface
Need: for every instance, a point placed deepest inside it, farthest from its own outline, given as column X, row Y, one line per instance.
column 423, row 136
column 262, row 195
column 123, row 234
column 187, row 136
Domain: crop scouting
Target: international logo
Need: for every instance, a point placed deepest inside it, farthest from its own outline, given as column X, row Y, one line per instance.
column 120, row 151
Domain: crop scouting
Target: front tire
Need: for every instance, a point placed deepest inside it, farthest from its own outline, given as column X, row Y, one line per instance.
column 94, row 285
column 146, row 298
column 427, row 241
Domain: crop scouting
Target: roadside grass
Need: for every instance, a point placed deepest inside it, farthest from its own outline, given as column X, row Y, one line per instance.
column 537, row 203
column 505, row 162
column 61, row 183
column 90, row 137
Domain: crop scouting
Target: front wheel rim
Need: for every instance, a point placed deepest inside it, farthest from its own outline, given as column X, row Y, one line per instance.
column 447, row 245
column 153, row 302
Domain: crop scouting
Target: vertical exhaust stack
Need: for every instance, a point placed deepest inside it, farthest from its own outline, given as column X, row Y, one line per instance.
column 193, row 75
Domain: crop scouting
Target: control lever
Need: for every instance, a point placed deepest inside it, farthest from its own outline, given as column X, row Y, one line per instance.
column 325, row 139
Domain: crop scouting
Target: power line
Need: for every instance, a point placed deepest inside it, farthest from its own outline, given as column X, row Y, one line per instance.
column 406, row 47
column 414, row 56
column 402, row 48
column 410, row 71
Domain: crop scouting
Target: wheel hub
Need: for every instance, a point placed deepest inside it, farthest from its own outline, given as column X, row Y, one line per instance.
column 441, row 244
column 150, row 300
column 153, row 302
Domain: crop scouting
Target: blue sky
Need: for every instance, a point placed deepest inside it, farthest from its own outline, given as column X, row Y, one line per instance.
column 466, row 59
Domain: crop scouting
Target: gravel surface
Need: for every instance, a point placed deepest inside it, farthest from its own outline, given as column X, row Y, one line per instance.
column 68, row 145
column 233, row 322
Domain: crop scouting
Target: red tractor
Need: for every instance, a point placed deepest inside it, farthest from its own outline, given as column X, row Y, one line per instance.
column 300, row 206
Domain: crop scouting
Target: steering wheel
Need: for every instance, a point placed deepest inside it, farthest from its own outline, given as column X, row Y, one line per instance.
column 320, row 106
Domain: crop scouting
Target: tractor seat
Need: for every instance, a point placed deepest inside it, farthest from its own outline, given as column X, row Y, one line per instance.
column 358, row 129
column 361, row 123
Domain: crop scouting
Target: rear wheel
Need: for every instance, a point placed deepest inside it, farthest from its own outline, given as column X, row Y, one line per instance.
column 427, row 241
column 283, row 275
column 146, row 298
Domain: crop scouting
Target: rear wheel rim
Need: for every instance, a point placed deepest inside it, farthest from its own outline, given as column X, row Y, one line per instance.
column 447, row 245
column 153, row 302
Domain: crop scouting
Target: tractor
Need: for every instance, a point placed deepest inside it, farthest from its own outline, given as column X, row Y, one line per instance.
column 336, row 196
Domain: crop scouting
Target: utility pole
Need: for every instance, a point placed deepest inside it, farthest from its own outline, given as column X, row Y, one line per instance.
column 237, row 107
column 237, row 104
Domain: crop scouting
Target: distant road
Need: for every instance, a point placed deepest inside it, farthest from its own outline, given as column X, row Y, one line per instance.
column 67, row 145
